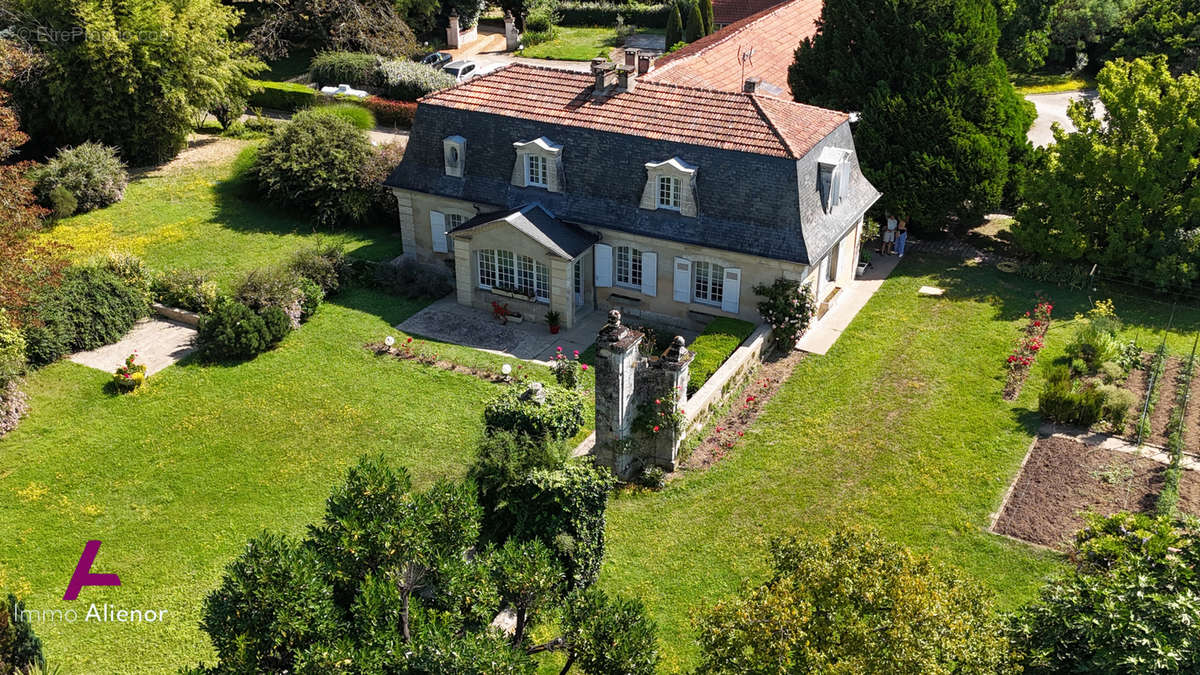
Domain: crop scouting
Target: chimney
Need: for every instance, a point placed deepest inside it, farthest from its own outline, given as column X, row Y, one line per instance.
column 626, row 76
column 643, row 63
column 750, row 85
column 631, row 57
column 603, row 71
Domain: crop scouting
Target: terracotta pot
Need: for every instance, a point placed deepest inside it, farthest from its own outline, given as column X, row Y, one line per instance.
column 554, row 330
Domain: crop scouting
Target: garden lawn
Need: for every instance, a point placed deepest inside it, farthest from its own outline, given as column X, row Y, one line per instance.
column 575, row 44
column 195, row 216
column 174, row 479
column 1040, row 83
column 900, row 427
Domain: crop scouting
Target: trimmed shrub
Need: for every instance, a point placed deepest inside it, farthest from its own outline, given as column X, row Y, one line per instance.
column 1110, row 372
column 1094, row 344
column 233, row 331
column 12, row 350
column 1118, row 401
column 278, row 324
column 502, row 461
column 333, row 68
column 564, row 509
column 353, row 113
column 314, row 164
column 539, row 22
column 93, row 174
column 412, row 279
column 558, row 417
column 129, row 268
column 62, row 203
column 387, row 112
column 606, row 13
column 311, row 297
column 92, row 307
column 720, row 338
column 324, row 265
column 20, row 648
column 409, row 81
column 284, row 96
column 185, row 289
column 271, row 287
column 1062, row 402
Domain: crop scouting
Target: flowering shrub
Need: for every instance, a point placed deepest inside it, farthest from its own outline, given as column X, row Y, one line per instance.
column 13, row 406
column 131, row 375
column 660, row 415
column 567, row 371
column 392, row 113
column 408, row 81
column 1031, row 341
column 788, row 307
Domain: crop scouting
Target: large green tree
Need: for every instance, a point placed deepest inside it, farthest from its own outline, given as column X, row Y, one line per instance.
column 940, row 122
column 128, row 73
column 854, row 603
column 1122, row 191
column 1168, row 27
column 1025, row 32
column 1082, row 31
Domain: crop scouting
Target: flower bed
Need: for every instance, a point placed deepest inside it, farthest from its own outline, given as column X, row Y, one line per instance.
column 131, row 375
column 414, row 350
column 1032, row 339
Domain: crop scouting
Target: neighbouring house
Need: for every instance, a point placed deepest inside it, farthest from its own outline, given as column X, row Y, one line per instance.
column 548, row 189
column 761, row 42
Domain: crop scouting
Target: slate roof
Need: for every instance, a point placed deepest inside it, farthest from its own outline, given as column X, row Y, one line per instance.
column 533, row 220
column 718, row 119
column 713, row 61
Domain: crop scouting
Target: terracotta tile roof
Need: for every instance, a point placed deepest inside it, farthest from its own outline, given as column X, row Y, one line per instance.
column 713, row 61
column 657, row 110
column 726, row 12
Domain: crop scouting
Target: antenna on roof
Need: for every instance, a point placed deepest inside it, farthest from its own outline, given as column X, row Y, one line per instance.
column 745, row 57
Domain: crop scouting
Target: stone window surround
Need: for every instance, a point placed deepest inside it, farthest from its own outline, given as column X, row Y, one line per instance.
column 449, row 144
column 837, row 160
column 547, row 149
column 674, row 168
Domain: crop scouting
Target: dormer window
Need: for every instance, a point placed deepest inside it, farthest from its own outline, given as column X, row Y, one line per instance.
column 535, row 171
column 671, row 185
column 833, row 176
column 539, row 164
column 453, row 152
column 669, row 190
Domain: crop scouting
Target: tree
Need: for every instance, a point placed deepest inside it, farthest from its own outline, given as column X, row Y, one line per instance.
column 313, row 165
column 502, row 461
column 373, row 26
column 529, row 579
column 1025, row 32
column 854, row 603
column 1121, row 191
column 1168, row 27
column 1082, row 31
column 1131, row 605
column 20, row 649
column 604, row 635
column 674, row 27
column 940, row 122
column 138, row 80
column 706, row 12
column 695, row 25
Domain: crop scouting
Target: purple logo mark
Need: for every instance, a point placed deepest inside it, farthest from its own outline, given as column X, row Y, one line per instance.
column 83, row 575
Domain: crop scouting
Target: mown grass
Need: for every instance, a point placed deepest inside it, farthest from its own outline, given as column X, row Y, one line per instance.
column 174, row 480
column 901, row 427
column 575, row 44
column 200, row 217
column 1040, row 83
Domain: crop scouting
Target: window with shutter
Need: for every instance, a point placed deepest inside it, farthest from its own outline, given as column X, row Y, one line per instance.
column 709, row 282
column 604, row 265
column 731, row 290
column 437, row 230
column 682, row 280
column 629, row 267
column 649, row 272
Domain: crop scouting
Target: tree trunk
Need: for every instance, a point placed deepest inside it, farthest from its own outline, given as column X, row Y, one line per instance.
column 404, row 593
column 519, row 631
column 567, row 667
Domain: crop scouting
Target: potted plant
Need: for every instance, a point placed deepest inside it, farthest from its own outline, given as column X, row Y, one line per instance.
column 864, row 260
column 131, row 375
column 554, row 320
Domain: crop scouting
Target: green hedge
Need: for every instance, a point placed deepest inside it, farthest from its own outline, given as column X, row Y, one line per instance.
column 560, row 417
column 605, row 14
column 285, row 96
column 719, row 340
column 353, row 68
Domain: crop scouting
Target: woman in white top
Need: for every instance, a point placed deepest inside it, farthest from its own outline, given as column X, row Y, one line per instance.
column 889, row 235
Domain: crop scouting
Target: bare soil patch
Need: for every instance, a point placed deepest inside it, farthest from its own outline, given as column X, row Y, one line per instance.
column 1137, row 381
column 1160, row 417
column 744, row 408
column 1063, row 479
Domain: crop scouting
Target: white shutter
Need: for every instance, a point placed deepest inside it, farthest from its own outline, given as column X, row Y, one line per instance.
column 604, row 266
column 683, row 280
column 437, row 227
column 732, row 290
column 649, row 273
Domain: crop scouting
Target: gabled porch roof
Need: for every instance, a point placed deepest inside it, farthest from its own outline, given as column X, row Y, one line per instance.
column 563, row 239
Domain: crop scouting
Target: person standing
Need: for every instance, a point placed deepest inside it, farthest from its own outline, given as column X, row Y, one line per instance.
column 901, row 236
column 889, row 236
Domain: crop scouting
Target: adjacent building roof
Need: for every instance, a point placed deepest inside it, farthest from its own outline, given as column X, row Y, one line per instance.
column 728, row 120
column 715, row 61
column 726, row 12
column 536, row 222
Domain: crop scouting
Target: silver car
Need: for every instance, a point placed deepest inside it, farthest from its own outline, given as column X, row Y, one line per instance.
column 462, row 70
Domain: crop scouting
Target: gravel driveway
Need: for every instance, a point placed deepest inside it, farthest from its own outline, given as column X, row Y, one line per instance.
column 1052, row 108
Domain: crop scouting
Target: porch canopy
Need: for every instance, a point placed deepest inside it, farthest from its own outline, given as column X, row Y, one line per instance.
column 563, row 239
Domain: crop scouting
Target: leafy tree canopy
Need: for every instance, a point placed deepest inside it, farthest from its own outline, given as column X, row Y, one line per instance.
column 1168, row 27
column 940, row 121
column 373, row 26
column 1121, row 191
column 854, row 603
column 128, row 73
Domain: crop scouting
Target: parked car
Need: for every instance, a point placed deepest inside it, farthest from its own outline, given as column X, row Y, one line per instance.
column 436, row 59
column 463, row 70
column 344, row 90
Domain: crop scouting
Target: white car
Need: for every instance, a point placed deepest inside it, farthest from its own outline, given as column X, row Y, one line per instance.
column 344, row 90
column 463, row 70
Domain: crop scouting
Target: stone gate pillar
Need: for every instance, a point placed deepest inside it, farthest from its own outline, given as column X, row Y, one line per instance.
column 512, row 39
column 674, row 369
column 453, row 37
column 616, row 396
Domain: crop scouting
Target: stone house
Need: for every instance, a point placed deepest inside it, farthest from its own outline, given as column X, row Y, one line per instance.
column 546, row 189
